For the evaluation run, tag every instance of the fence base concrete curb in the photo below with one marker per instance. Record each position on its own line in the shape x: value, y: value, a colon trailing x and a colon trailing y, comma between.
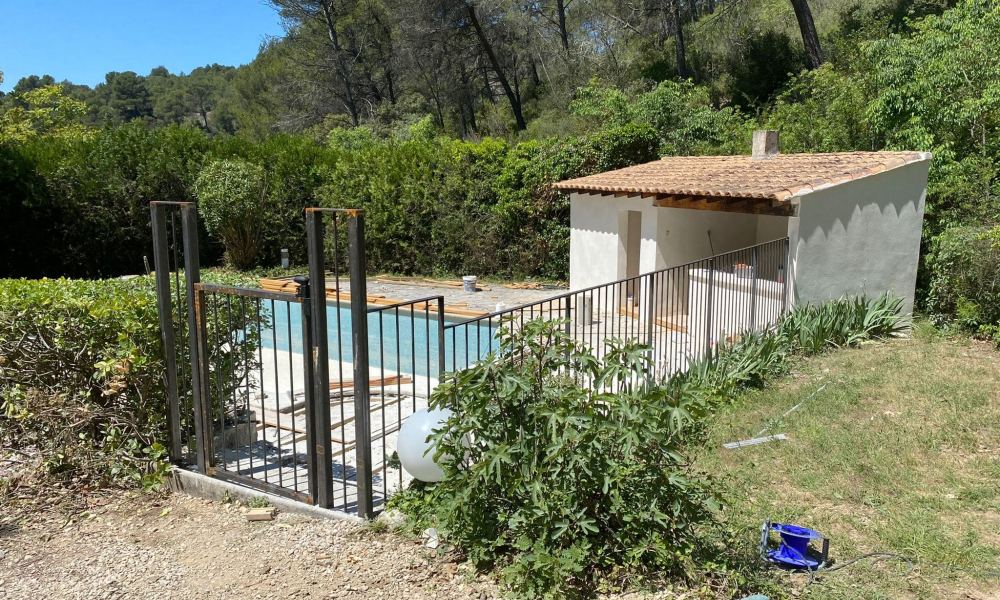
x: 195, y: 484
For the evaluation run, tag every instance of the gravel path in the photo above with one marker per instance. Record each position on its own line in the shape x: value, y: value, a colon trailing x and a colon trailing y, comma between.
x: 116, y: 547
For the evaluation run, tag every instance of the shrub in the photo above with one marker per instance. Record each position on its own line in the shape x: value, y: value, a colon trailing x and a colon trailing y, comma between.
x: 81, y: 376
x: 812, y: 328
x: 965, y: 279
x: 764, y: 66
x: 756, y: 357
x: 567, y: 482
x: 80, y: 206
x: 232, y: 196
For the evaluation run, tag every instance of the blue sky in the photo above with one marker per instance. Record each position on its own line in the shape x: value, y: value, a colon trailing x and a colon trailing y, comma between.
x: 82, y: 40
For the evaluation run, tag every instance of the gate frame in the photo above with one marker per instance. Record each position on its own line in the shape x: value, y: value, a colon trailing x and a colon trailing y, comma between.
x: 323, y: 447
x: 164, y: 302
x: 312, y: 296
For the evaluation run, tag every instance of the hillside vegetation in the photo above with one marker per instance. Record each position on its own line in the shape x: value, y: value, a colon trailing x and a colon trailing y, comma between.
x: 449, y: 120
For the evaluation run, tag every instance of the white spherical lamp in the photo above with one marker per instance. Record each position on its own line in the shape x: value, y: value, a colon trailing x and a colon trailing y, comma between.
x: 416, y: 454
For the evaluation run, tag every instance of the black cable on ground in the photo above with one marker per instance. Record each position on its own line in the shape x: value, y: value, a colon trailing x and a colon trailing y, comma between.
x: 870, y: 555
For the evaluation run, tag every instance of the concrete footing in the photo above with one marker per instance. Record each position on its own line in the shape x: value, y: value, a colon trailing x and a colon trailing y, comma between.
x: 208, y: 488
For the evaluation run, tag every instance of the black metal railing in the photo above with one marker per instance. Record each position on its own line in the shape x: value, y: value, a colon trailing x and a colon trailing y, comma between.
x: 406, y: 354
x: 303, y: 394
x: 682, y: 311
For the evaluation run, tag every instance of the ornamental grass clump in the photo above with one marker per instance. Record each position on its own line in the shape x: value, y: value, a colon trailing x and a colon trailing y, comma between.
x: 565, y: 471
x: 813, y: 328
x: 756, y: 357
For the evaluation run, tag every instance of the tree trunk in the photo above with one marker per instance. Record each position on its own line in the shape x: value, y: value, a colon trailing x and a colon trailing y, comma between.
x: 809, y: 37
x: 472, y: 117
x: 515, y: 102
x: 563, y: 34
x: 331, y: 31
x: 682, y: 70
x: 389, y: 84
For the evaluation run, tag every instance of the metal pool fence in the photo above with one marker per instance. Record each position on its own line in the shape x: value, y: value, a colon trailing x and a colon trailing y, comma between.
x: 681, y: 312
x: 303, y: 394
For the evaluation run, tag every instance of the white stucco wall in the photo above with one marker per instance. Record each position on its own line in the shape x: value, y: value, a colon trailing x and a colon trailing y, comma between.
x: 860, y: 236
x: 597, y: 251
x: 683, y: 233
x: 670, y: 236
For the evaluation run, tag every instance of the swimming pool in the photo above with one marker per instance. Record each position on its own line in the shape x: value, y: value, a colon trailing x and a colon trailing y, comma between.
x: 399, y: 340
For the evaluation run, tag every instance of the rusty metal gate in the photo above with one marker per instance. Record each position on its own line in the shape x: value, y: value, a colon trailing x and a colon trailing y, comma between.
x: 254, y: 393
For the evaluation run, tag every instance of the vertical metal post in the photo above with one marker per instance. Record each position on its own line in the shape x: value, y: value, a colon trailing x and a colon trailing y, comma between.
x: 322, y: 444
x: 309, y: 389
x: 788, y: 277
x: 753, y: 290
x: 567, y: 328
x: 651, y: 299
x: 708, y: 314
x: 196, y: 346
x: 359, y: 328
x: 164, y: 306
x: 441, y: 353
x: 201, y: 373
x: 568, y: 314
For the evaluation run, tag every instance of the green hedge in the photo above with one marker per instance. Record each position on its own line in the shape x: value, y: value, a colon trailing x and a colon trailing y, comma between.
x: 80, y: 207
x: 965, y: 281
x: 81, y: 376
x: 82, y: 373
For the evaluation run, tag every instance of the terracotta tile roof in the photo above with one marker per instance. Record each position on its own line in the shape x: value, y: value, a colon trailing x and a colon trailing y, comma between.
x: 776, y: 178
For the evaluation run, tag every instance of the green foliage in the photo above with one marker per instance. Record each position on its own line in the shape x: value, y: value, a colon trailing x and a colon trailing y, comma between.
x: 822, y: 111
x: 232, y: 195
x: 443, y: 205
x: 350, y: 138
x: 756, y: 357
x: 847, y: 322
x: 768, y: 61
x: 79, y: 206
x: 567, y: 482
x: 81, y: 376
x: 965, y: 286
x: 258, y: 502
x: 47, y: 111
x: 681, y: 114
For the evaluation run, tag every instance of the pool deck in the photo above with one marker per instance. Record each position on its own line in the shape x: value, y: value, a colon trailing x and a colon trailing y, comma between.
x: 458, y: 302
x: 276, y: 453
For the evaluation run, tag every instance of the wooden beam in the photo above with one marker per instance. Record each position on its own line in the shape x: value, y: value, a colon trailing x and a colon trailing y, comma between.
x: 752, y: 206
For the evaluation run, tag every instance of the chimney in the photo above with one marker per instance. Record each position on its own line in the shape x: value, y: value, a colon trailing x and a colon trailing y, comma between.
x: 765, y: 144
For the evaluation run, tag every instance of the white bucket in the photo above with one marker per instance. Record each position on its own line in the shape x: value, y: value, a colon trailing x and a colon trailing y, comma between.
x: 469, y: 283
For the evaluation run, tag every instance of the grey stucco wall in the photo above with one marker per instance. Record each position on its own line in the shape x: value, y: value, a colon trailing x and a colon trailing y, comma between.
x: 860, y: 236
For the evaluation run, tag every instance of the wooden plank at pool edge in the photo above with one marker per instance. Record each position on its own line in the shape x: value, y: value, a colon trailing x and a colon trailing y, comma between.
x: 285, y: 284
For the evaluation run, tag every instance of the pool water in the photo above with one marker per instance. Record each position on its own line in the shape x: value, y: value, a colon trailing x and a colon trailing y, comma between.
x: 398, y: 340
